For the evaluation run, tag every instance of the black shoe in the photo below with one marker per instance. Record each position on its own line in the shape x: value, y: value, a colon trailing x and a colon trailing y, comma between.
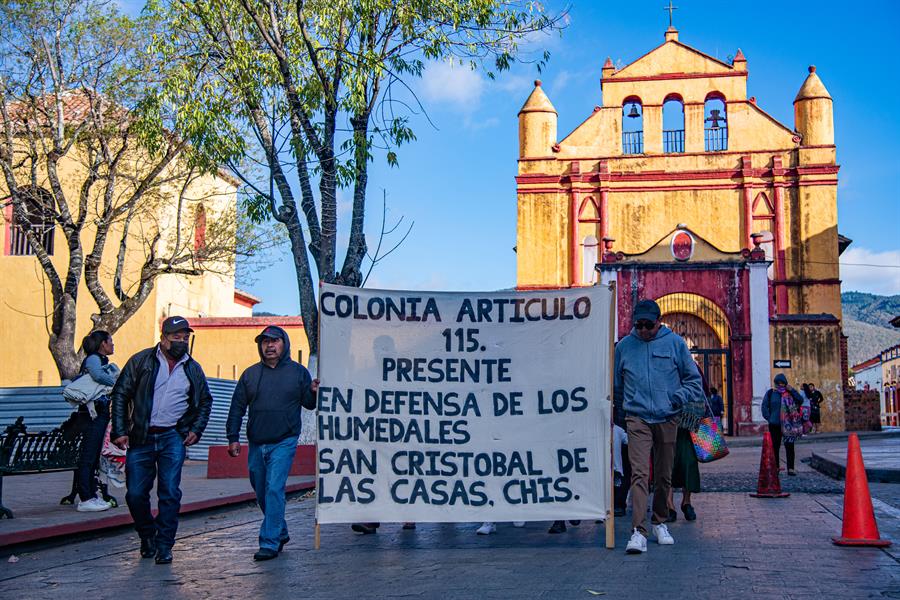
x: 557, y: 527
x: 575, y: 523
x: 148, y: 547
x: 673, y: 516
x: 163, y: 556
x: 265, y: 554
x: 364, y: 528
x: 619, y: 512
x: 283, y: 543
x: 689, y: 512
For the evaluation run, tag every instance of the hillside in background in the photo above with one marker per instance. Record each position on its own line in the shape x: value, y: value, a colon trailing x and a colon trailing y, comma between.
x: 866, y: 324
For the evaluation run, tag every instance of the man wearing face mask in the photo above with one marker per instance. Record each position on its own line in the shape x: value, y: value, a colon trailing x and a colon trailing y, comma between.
x: 160, y: 405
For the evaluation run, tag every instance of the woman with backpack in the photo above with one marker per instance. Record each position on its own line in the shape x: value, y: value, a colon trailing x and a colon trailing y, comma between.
x: 782, y: 407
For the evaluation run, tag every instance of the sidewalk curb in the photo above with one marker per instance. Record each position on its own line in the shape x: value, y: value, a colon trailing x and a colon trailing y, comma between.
x: 119, y: 520
x: 746, y: 442
x: 836, y: 470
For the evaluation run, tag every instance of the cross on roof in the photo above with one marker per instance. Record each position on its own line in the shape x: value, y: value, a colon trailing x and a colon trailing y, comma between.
x: 670, y: 9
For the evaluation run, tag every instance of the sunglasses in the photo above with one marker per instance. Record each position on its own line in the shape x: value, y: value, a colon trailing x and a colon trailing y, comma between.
x: 644, y: 324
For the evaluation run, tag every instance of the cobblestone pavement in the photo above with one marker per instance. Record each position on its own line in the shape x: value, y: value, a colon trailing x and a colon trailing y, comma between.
x: 739, y: 548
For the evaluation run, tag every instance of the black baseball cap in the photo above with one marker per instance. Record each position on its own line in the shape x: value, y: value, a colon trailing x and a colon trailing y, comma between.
x: 173, y: 324
x: 646, y: 310
x: 270, y: 332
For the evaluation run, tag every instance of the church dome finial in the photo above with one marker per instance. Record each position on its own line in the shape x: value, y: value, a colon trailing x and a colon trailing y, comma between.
x: 812, y: 88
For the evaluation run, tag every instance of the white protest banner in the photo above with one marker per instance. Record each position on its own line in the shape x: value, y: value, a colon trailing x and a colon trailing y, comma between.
x: 455, y: 407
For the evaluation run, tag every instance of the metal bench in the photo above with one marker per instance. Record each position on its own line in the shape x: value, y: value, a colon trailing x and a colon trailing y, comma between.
x: 24, y: 453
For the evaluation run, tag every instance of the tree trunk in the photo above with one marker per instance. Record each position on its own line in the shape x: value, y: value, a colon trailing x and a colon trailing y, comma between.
x: 62, y: 338
x: 309, y: 309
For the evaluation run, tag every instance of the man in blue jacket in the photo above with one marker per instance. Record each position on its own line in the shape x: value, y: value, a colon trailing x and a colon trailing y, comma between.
x: 654, y: 377
x: 274, y: 388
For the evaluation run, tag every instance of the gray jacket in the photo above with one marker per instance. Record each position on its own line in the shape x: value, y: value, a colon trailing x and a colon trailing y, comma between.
x: 654, y: 379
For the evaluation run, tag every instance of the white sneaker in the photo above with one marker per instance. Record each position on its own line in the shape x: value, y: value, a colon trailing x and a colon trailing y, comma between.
x: 93, y: 505
x: 518, y: 523
x: 637, y: 544
x: 486, y: 529
x: 663, y: 537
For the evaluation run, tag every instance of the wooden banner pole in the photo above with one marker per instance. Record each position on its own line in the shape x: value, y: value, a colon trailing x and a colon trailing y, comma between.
x: 610, y: 514
x: 316, y: 536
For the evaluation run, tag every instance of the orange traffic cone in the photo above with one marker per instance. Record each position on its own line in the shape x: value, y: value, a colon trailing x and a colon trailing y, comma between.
x: 859, y: 528
x: 769, y: 486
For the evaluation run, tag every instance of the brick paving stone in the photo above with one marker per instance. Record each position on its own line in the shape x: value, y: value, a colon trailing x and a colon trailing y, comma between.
x: 740, y: 547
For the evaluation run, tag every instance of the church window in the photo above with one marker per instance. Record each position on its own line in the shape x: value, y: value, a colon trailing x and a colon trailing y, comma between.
x: 38, y: 218
x: 200, y: 231
x: 589, y: 259
x: 632, y: 126
x: 715, y: 123
x: 673, y: 124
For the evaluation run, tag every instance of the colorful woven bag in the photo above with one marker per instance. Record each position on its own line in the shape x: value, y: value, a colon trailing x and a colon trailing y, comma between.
x: 709, y: 443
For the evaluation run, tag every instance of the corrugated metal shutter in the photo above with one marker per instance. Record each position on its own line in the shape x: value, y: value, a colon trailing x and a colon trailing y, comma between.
x: 222, y: 390
x: 44, y: 409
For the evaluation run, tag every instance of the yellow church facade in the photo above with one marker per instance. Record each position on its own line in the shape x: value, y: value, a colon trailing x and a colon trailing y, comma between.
x: 682, y: 189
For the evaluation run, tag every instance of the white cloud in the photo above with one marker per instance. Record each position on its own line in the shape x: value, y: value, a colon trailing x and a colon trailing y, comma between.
x: 859, y: 274
x: 453, y: 84
x: 560, y: 81
x: 520, y: 84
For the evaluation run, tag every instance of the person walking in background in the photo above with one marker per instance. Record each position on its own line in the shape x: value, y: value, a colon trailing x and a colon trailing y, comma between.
x: 274, y: 389
x: 686, y: 468
x: 781, y: 408
x: 97, y: 346
x: 621, y: 470
x: 160, y: 405
x: 815, y: 407
x: 654, y: 376
x: 716, y: 404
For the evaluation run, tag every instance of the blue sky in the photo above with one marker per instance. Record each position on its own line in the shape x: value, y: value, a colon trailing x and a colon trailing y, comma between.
x: 456, y: 182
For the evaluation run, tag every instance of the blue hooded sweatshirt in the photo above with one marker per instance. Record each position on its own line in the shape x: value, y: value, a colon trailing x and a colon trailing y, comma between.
x: 654, y: 379
x: 274, y: 396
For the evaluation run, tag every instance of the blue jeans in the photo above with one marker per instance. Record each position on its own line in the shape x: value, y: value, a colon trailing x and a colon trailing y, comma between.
x: 269, y: 466
x: 91, y: 445
x: 162, y: 452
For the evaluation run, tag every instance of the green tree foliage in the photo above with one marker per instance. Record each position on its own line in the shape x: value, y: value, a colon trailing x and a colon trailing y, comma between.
x: 296, y: 97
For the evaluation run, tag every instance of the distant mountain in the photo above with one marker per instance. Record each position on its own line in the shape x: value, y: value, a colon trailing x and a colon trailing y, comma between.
x: 870, y: 308
x: 867, y: 324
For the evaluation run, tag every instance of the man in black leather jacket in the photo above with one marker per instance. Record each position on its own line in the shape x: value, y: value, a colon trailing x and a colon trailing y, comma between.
x: 160, y: 405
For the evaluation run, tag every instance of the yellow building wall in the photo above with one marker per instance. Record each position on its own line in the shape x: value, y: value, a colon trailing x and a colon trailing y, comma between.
x: 815, y: 354
x: 26, y: 302
x: 890, y: 367
x: 227, y: 350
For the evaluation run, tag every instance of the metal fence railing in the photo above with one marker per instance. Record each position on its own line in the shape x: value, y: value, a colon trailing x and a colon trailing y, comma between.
x: 673, y: 140
x: 633, y: 142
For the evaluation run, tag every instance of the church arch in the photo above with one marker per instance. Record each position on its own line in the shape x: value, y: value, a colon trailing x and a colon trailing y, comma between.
x: 715, y: 122
x: 700, y: 307
x: 589, y: 211
x: 673, y: 124
x: 632, y: 125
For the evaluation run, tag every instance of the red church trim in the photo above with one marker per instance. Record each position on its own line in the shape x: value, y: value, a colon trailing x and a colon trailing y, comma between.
x: 244, y: 322
x: 671, y: 77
